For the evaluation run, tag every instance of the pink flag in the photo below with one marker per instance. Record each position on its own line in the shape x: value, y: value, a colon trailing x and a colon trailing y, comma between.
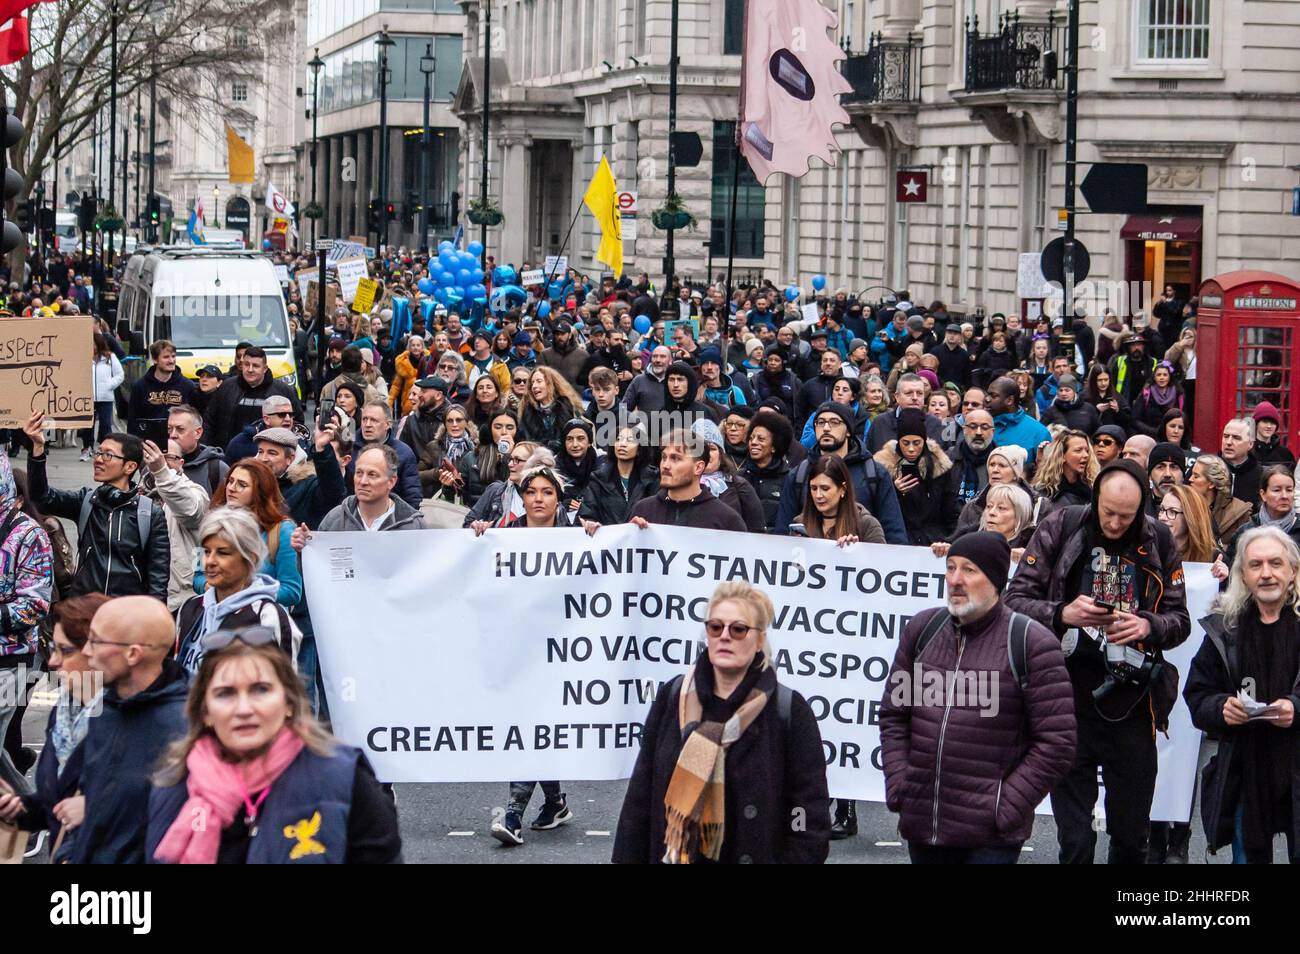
x: 789, y: 86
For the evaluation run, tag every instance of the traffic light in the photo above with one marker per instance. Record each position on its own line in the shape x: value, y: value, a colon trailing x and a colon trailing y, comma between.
x: 372, y: 216
x: 155, y: 209
x: 45, y: 219
x: 86, y: 213
x: 389, y: 211
x: 11, y: 237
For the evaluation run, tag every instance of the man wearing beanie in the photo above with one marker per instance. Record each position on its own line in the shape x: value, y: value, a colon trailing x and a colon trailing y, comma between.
x: 1106, y: 574
x: 1070, y: 409
x: 1107, y: 442
x: 833, y: 426
x: 1000, y: 758
x: 1269, y: 446
x: 1167, y: 467
x: 718, y: 388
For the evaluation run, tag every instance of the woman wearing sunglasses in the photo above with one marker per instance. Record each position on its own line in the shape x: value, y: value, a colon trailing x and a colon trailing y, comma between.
x: 276, y: 787
x: 237, y: 594
x: 728, y: 756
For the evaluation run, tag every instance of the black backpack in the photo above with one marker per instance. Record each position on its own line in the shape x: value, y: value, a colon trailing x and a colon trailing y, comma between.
x: 1017, y: 640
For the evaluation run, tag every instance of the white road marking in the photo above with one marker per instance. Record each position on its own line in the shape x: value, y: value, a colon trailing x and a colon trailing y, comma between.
x: 602, y: 834
x: 460, y: 834
x: 889, y: 844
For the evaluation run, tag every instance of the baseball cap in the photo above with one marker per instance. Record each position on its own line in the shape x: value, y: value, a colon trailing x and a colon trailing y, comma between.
x: 210, y: 370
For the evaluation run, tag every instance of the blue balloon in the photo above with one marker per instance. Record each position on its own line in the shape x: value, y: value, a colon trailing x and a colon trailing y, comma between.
x: 792, y: 293
x: 447, y: 258
x: 463, y: 277
x: 476, y: 290
x: 476, y: 249
x: 819, y: 282
x: 504, y: 275
x: 445, y: 246
x: 453, y: 296
x: 441, y: 295
x: 543, y: 309
x: 426, y: 286
x: 266, y: 244
x: 477, y: 274
x: 556, y: 290
x: 642, y: 324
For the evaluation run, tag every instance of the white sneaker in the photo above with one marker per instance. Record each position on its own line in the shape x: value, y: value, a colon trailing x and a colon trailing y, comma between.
x: 85, y: 456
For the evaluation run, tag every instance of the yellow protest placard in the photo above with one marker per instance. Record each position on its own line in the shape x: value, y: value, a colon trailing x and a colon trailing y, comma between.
x: 365, y: 297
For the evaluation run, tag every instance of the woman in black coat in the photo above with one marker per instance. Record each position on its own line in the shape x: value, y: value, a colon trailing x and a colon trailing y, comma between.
x: 773, y: 773
x: 621, y: 480
x: 770, y: 437
x: 928, y: 496
x: 1113, y: 407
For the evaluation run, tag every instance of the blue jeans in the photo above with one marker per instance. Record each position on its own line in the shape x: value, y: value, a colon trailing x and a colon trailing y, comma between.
x: 986, y: 855
x: 103, y: 419
x: 309, y: 669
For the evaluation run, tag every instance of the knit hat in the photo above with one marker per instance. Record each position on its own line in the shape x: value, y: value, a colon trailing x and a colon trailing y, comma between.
x: 1164, y: 453
x: 523, y: 338
x: 857, y: 343
x: 843, y: 410
x: 742, y: 410
x: 1112, y: 431
x: 754, y: 344
x: 1014, y: 455
x: 576, y: 423
x: 355, y: 390
x: 775, y: 349
x: 708, y: 432
x: 911, y: 422
x: 987, y: 550
x: 931, y: 377
x: 1068, y: 381
x: 711, y: 355
x: 1264, y: 411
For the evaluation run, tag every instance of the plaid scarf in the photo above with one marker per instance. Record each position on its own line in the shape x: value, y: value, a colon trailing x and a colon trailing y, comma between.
x: 695, y: 803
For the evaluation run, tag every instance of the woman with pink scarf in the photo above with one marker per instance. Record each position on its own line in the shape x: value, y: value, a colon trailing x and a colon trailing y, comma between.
x: 268, y: 782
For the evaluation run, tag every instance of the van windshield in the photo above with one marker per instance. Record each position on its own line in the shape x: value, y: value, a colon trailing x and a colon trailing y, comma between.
x: 210, y: 321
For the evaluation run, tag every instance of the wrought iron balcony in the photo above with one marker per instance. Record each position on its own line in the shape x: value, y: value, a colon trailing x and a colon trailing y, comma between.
x: 1027, y: 56
x: 889, y: 72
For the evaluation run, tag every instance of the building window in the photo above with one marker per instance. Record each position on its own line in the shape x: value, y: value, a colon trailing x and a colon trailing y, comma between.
x: 1038, y: 210
x: 751, y: 199
x: 1173, y: 31
x: 241, y: 39
x: 733, y: 27
x: 239, y: 91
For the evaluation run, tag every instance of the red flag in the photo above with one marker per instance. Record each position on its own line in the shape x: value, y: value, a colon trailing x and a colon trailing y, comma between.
x: 11, y: 8
x: 14, y: 42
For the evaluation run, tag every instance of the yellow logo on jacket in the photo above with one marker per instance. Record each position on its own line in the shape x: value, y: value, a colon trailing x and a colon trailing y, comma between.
x: 303, y: 833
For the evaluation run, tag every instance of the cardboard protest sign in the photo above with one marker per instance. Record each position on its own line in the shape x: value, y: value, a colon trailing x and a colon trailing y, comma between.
x: 45, y: 365
x: 331, y: 295
x: 364, y: 299
x: 351, y: 271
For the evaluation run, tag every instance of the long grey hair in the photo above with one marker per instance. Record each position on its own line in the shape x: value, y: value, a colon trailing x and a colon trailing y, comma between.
x: 1235, y: 600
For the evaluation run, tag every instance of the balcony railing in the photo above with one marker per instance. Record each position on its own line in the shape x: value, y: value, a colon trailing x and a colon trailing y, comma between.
x: 1017, y: 56
x: 889, y: 72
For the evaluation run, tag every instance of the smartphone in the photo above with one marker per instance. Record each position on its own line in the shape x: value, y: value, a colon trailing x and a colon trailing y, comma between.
x: 908, y: 469
x: 798, y: 530
x: 326, y: 412
x: 1102, y: 604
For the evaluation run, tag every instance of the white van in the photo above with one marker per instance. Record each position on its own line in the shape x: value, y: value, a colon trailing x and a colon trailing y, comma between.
x: 66, y: 235
x: 206, y: 301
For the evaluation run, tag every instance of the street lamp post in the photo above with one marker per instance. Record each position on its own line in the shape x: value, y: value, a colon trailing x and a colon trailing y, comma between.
x: 428, y: 63
x: 112, y: 118
x: 383, y: 42
x: 153, y: 147
x: 487, y: 116
x: 315, y: 64
x: 216, y: 197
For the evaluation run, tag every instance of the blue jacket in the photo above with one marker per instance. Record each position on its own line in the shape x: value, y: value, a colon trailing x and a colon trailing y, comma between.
x: 284, y: 571
x: 872, y: 487
x: 306, y: 818
x: 1020, y: 429
x: 121, y: 752
x: 242, y: 444
x: 880, y: 348
x: 839, y: 340
x: 313, y: 487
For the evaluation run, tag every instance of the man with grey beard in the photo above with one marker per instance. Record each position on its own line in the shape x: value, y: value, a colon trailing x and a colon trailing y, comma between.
x: 972, y: 452
x: 982, y: 692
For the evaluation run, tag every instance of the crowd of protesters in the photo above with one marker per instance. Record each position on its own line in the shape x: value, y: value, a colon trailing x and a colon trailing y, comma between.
x: 1059, y: 454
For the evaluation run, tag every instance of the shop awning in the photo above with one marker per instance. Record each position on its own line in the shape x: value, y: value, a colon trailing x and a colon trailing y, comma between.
x: 1153, y: 227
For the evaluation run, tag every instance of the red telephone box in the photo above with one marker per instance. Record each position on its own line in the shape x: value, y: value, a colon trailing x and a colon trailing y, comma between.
x: 1246, y: 325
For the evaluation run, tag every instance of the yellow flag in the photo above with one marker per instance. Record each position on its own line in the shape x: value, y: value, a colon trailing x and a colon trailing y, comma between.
x: 602, y: 200
x: 239, y: 157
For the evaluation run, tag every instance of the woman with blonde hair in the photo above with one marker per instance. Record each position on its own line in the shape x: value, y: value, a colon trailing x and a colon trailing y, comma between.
x: 1067, y: 469
x: 728, y: 755
x: 1184, y: 512
x: 875, y: 397
x: 1210, y: 478
x: 549, y: 402
x: 1008, y: 510
x: 270, y: 781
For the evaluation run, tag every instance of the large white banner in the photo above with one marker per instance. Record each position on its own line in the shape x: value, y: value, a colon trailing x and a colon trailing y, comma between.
x: 536, y: 655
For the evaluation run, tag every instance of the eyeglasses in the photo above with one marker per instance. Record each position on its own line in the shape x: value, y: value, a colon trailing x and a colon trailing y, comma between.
x: 1104, y: 442
x: 979, y: 427
x: 518, y: 460
x: 107, y: 455
x: 248, y: 635
x: 736, y: 628
x: 93, y: 641
x: 277, y: 413
x: 1169, y: 512
x: 973, y: 404
x: 826, y: 422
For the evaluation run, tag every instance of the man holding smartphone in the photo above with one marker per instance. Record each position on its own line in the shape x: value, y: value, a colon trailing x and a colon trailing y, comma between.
x: 1109, y: 578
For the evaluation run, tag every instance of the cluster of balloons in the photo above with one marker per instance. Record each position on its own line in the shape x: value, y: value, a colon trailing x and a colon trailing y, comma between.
x: 792, y: 292
x: 506, y: 293
x: 455, y: 275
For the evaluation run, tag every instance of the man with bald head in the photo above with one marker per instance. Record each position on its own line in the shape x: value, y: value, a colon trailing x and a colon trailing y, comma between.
x: 646, y: 392
x: 130, y: 642
x: 1138, y: 449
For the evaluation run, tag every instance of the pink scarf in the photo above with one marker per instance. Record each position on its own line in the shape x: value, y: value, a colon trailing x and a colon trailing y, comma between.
x: 217, y: 790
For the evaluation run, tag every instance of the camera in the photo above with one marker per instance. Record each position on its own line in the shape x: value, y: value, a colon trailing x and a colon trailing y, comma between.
x: 1126, y: 666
